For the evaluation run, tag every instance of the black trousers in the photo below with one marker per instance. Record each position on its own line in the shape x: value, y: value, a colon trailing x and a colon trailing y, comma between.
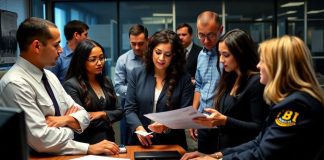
x: 208, y: 140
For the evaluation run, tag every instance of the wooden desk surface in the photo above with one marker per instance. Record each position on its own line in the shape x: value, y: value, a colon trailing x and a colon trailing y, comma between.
x: 129, y: 154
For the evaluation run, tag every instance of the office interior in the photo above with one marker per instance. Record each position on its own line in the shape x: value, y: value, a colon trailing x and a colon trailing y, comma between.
x: 109, y: 20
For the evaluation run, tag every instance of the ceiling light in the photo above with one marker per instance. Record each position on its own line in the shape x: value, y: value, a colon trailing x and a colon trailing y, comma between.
x: 315, y: 11
x: 292, y: 4
x: 292, y: 18
x: 162, y: 14
x: 156, y: 20
x: 286, y: 13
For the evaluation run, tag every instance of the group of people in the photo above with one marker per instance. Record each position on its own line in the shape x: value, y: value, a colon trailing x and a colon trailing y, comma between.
x: 265, y: 105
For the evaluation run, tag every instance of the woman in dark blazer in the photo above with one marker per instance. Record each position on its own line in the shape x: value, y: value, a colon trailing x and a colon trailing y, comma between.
x: 294, y: 128
x: 161, y: 85
x: 239, y: 106
x: 88, y: 85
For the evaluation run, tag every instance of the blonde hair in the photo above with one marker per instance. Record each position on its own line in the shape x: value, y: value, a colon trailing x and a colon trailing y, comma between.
x: 290, y: 68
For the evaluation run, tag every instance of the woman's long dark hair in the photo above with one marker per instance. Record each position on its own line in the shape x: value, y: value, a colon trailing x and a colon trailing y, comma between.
x: 176, y: 68
x: 242, y: 47
x: 77, y: 69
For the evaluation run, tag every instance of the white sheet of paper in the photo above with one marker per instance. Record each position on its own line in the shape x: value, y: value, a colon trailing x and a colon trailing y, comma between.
x: 178, y: 119
x: 93, y: 157
x: 143, y: 133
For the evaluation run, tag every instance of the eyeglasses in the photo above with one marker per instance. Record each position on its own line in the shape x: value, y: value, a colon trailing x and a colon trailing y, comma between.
x: 95, y: 59
x: 209, y: 36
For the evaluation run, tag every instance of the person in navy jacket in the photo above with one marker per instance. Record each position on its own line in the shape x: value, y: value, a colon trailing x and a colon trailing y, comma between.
x: 239, y: 105
x: 294, y: 128
x: 161, y: 85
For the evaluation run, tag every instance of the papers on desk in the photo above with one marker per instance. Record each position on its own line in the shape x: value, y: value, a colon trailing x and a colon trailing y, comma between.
x: 93, y: 157
x: 178, y: 119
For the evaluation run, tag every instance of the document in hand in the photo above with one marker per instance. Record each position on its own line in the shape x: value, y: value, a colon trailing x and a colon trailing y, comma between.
x: 178, y: 119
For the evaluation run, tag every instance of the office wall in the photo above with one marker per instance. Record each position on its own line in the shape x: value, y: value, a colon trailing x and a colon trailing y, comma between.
x: 7, y: 58
x: 18, y: 6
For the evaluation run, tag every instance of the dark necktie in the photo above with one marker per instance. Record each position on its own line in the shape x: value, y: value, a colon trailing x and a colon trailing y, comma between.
x: 51, y: 94
x: 186, y: 53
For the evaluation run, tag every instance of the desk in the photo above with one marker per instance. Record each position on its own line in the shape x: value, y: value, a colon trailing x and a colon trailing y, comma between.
x: 129, y: 154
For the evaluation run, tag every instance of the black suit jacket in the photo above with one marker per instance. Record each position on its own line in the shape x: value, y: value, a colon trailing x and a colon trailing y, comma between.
x: 245, y: 113
x: 191, y: 62
x: 101, y: 128
x: 140, y: 101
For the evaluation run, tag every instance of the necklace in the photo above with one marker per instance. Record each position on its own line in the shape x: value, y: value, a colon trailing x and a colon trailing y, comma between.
x: 97, y: 89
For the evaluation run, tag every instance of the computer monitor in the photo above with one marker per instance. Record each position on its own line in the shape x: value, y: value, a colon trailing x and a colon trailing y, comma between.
x: 13, y: 143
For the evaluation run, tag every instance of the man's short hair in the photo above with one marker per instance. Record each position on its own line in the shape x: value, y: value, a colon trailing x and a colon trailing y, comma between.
x: 31, y: 29
x: 206, y: 16
x: 74, y: 26
x: 182, y: 25
x: 137, y: 29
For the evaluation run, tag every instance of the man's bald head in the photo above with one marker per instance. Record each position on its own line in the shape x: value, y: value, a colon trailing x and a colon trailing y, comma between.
x: 208, y: 17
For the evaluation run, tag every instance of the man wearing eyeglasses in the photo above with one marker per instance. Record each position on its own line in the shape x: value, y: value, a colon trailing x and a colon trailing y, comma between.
x: 138, y: 38
x: 207, y: 76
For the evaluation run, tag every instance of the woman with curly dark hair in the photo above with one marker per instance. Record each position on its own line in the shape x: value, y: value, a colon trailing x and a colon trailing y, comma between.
x: 161, y: 85
x: 89, y: 86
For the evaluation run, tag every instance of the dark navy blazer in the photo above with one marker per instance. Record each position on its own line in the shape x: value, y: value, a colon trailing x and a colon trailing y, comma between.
x: 140, y: 101
x: 294, y: 129
x: 245, y: 113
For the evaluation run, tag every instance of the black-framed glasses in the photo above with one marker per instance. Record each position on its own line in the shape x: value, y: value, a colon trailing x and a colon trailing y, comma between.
x: 209, y: 36
x: 96, y: 59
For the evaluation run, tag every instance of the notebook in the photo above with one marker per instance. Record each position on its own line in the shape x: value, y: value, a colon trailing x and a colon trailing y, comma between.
x: 156, y: 155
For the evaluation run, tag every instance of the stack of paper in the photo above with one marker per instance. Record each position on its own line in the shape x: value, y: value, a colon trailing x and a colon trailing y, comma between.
x: 178, y: 119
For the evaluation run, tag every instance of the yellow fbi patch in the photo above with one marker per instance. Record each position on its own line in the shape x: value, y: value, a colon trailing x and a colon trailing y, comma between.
x: 286, y: 118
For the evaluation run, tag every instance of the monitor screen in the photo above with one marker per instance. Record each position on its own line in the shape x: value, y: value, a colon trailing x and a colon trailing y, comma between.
x: 13, y: 142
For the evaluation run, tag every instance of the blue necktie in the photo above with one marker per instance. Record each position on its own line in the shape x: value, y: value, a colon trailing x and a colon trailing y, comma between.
x: 51, y: 94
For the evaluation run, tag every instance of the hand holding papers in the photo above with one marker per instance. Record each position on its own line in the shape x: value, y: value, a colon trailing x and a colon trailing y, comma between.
x: 157, y: 127
x: 178, y: 119
x: 212, y: 119
x: 143, y: 136
x: 142, y: 133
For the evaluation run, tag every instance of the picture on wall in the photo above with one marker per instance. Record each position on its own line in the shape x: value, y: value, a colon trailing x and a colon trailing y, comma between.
x: 8, y: 42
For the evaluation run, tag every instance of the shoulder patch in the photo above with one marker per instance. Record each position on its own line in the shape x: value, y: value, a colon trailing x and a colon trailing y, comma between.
x: 286, y: 118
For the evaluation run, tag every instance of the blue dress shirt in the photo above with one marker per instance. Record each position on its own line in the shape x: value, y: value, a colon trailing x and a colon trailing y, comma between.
x: 124, y: 66
x: 62, y: 64
x: 207, y: 77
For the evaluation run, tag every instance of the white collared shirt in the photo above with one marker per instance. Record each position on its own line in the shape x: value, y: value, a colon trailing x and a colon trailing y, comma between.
x: 22, y: 87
